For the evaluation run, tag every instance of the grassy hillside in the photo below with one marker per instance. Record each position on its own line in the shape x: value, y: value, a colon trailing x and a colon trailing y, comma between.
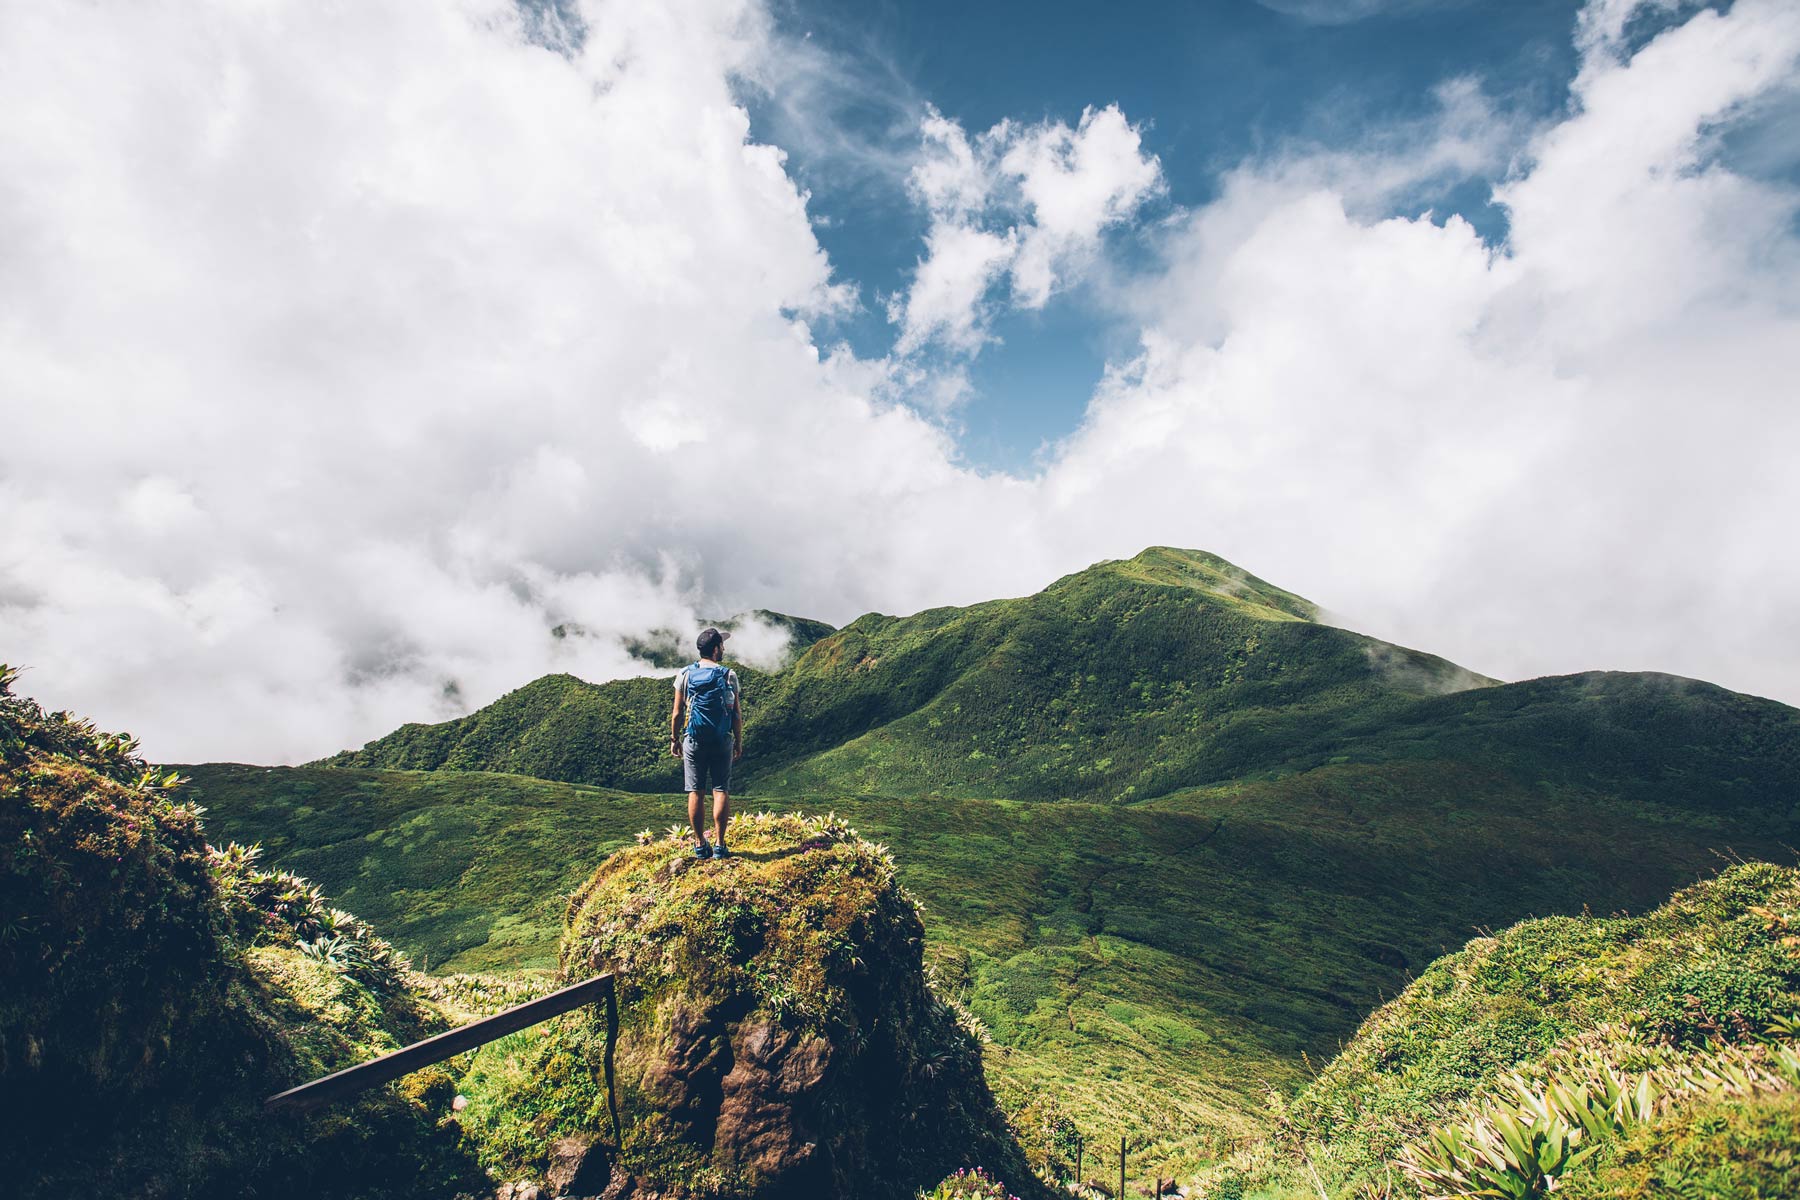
x: 1691, y: 1011
x: 1125, y: 680
x: 1153, y: 965
x: 557, y: 727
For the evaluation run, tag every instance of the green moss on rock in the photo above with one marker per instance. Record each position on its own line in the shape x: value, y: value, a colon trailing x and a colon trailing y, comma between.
x: 778, y: 1034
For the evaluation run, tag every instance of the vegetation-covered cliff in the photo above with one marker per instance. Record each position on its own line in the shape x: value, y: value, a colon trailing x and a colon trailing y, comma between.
x: 156, y: 991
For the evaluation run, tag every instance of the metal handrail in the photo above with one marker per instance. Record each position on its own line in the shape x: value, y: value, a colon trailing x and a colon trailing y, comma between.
x: 377, y: 1071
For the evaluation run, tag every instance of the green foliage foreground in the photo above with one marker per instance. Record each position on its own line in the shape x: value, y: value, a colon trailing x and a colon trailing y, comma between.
x: 1570, y: 1054
x: 156, y: 992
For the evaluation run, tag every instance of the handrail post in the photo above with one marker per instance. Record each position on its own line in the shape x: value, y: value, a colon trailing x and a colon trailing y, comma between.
x: 612, y: 1045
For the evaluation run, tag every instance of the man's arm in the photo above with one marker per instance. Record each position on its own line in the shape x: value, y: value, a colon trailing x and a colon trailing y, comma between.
x: 737, y: 726
x: 675, y: 718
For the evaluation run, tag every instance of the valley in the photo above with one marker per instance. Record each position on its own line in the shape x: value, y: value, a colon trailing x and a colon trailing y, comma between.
x: 1174, y: 839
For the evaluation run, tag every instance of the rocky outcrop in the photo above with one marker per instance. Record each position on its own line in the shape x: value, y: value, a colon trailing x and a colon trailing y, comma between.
x: 580, y: 1165
x: 778, y: 1036
x: 752, y: 1089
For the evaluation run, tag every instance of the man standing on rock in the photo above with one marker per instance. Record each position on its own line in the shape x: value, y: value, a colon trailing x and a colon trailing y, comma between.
x: 712, y: 737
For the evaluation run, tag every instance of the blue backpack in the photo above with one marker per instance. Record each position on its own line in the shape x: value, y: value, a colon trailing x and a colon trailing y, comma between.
x: 708, y: 702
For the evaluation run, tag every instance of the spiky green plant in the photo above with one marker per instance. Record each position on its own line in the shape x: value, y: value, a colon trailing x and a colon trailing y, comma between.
x: 280, y: 903
x: 1518, y: 1148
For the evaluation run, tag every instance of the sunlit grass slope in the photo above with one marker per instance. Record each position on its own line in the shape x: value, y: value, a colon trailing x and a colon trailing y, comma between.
x: 1693, y: 1007
x: 1147, y: 965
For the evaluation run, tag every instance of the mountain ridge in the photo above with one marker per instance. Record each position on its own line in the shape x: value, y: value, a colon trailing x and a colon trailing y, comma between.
x: 1176, y: 614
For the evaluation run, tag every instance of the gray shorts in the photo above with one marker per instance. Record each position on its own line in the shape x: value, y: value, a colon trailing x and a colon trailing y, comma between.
x: 701, y: 760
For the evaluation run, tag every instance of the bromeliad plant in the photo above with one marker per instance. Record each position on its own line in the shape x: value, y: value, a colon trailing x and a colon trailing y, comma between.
x: 270, y: 902
x: 1518, y: 1152
x: 1518, y: 1148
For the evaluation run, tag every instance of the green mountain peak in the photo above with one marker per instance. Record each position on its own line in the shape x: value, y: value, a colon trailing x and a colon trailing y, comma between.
x: 1128, y: 680
x: 1203, y: 572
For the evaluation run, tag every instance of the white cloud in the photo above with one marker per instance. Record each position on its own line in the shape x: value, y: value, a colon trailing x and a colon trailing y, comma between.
x: 948, y: 179
x: 1027, y: 203
x: 944, y: 302
x: 344, y: 352
x: 1568, y: 453
x: 847, y: 112
x: 1601, y: 26
x: 1074, y: 183
x: 1345, y: 12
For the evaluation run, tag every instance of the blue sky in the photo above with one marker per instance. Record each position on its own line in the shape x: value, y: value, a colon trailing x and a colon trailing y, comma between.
x: 1210, y: 85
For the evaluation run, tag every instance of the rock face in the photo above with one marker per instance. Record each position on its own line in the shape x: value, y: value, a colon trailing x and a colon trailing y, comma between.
x: 580, y: 1165
x: 753, y: 1089
x: 778, y: 1036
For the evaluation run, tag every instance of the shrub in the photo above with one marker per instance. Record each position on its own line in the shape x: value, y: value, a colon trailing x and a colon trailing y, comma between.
x: 108, y: 914
x: 1520, y: 1146
x: 157, y: 990
x: 1724, y: 999
x: 968, y: 1184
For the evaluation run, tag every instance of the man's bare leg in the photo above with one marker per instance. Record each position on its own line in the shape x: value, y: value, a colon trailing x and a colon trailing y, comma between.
x: 694, y: 818
x: 721, y: 813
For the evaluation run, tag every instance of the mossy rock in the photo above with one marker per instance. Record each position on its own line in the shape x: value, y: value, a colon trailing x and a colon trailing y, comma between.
x: 778, y: 1035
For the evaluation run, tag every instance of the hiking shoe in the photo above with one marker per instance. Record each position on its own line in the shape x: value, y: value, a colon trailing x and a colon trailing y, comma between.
x: 702, y: 850
x: 719, y: 851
